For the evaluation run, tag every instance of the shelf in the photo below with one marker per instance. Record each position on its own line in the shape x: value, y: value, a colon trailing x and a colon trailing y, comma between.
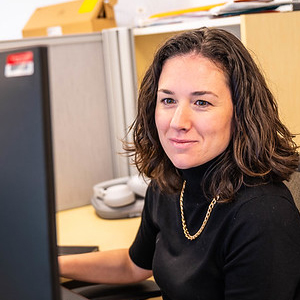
x: 52, y: 40
x: 209, y: 22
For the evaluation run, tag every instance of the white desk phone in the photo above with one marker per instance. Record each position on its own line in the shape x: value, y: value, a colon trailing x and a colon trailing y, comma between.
x: 120, y: 198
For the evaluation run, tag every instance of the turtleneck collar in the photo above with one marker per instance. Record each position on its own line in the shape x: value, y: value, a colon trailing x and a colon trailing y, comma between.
x: 194, y: 177
x: 197, y: 173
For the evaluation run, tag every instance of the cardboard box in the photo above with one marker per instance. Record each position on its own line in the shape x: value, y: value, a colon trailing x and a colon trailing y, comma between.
x: 71, y: 18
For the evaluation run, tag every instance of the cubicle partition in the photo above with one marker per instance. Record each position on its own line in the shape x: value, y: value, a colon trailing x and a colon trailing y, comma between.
x: 88, y: 111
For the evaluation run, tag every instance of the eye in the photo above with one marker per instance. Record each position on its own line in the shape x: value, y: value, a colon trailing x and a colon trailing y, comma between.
x: 168, y: 101
x: 202, y: 103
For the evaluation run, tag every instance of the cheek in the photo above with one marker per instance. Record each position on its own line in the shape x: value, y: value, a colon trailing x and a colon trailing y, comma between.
x: 156, y: 119
x: 216, y: 126
x: 160, y: 121
x: 226, y: 130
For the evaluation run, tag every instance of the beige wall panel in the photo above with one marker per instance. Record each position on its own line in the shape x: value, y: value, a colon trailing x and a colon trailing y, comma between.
x: 275, y: 40
x: 82, y: 152
x: 145, y: 47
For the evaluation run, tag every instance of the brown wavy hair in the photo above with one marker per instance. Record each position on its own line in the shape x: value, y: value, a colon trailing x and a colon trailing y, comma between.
x: 261, y: 149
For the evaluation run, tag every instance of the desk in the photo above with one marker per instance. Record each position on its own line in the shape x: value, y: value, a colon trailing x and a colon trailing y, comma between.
x: 82, y: 227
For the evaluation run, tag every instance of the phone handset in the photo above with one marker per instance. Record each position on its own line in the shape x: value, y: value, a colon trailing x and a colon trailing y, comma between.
x: 121, y: 191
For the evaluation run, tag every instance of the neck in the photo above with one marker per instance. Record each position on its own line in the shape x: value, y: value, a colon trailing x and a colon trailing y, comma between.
x: 195, y: 178
x: 196, y: 173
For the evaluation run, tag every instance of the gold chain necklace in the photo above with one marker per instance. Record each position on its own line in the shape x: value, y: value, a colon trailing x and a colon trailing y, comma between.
x: 184, y: 227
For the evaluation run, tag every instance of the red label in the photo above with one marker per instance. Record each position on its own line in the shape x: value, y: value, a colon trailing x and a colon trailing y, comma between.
x: 19, y: 64
x: 19, y: 58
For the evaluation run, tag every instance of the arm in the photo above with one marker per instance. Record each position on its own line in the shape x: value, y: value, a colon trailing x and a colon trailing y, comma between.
x: 115, y: 267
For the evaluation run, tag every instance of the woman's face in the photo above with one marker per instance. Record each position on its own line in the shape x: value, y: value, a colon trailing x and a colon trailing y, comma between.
x: 194, y: 110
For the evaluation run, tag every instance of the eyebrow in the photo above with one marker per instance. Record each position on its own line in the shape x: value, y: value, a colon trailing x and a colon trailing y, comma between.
x: 196, y: 93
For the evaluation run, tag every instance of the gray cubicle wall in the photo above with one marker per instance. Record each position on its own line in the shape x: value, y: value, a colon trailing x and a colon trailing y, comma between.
x: 83, y: 155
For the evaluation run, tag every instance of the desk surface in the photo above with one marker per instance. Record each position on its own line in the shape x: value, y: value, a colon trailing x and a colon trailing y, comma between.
x: 82, y: 226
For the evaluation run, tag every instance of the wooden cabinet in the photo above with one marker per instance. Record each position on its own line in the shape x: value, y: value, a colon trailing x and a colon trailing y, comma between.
x: 272, y: 38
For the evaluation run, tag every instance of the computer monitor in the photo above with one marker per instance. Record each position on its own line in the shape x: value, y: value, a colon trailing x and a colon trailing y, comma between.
x: 28, y: 249
x: 28, y: 254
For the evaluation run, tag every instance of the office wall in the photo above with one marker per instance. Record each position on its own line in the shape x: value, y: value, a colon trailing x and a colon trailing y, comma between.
x: 15, y: 13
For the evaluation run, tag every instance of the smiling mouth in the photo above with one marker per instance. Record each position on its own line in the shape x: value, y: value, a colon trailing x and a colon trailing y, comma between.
x: 182, y: 143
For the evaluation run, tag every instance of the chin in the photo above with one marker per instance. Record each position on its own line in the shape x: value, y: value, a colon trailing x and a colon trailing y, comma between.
x: 183, y: 165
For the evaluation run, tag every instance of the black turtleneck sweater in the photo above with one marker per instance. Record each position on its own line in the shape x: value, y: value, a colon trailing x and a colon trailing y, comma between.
x: 249, y: 249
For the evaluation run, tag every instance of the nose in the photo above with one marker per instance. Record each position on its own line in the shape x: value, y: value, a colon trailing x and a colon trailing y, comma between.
x: 181, y: 119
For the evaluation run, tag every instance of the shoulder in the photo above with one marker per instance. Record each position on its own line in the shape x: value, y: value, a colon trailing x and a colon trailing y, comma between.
x: 266, y: 195
x: 262, y: 218
x: 266, y: 205
x: 155, y: 194
x: 156, y: 199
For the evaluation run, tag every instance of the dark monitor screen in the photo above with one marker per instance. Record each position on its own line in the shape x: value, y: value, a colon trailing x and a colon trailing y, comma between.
x: 28, y: 250
x: 28, y: 264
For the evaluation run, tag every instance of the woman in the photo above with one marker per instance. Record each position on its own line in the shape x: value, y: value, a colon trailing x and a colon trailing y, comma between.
x: 218, y: 222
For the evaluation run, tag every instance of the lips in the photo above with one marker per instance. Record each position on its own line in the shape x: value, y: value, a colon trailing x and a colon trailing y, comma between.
x: 182, y: 143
